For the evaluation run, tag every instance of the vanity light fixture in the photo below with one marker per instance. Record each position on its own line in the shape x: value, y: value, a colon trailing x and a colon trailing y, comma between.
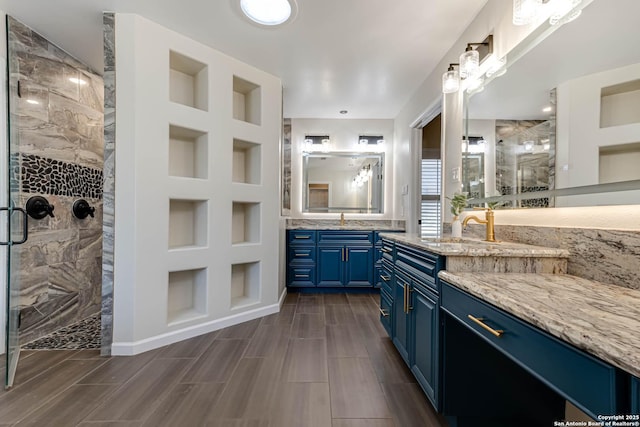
x: 451, y: 80
x: 365, y: 140
x: 313, y: 143
x: 564, y: 11
x: 528, y: 146
x: 268, y: 12
x: 525, y: 11
x: 469, y: 62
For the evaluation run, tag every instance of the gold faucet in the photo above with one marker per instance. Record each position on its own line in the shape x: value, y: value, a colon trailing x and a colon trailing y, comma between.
x: 342, y: 219
x: 488, y: 221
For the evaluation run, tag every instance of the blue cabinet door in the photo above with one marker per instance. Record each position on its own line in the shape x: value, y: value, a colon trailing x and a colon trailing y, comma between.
x: 358, y: 266
x: 330, y: 260
x: 399, y: 317
x: 424, y: 324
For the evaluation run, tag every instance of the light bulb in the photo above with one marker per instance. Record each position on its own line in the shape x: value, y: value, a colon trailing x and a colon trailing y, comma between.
x: 450, y: 81
x: 469, y: 63
x: 525, y: 11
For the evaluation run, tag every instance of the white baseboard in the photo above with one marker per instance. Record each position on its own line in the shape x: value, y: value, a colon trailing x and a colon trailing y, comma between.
x: 283, y: 296
x: 137, y: 347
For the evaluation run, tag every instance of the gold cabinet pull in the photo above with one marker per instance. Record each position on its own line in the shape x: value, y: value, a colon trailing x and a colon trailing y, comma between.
x: 302, y: 276
x: 385, y: 250
x: 301, y: 237
x: 409, y: 306
x: 302, y: 255
x: 342, y: 254
x: 479, y: 320
x: 384, y: 313
x: 346, y: 253
x: 385, y: 278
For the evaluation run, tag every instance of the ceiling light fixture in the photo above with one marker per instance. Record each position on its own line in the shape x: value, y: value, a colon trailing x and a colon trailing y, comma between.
x: 268, y: 12
x: 343, y: 111
x: 525, y: 11
x: 470, y: 59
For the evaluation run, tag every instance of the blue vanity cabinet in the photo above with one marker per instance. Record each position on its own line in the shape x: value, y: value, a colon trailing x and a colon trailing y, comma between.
x: 481, y: 339
x: 301, y: 258
x: 415, y: 315
x: 345, y: 258
x: 386, y: 279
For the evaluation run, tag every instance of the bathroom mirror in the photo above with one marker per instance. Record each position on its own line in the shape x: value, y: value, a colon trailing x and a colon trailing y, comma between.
x: 562, y: 126
x: 343, y: 182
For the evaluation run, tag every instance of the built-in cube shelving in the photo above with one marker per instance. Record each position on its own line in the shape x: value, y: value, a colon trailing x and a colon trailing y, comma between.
x: 187, y: 295
x: 620, y: 104
x: 188, y: 81
x: 246, y: 162
x: 619, y: 163
x: 187, y: 223
x: 245, y: 223
x: 247, y: 101
x: 245, y: 284
x: 188, y: 153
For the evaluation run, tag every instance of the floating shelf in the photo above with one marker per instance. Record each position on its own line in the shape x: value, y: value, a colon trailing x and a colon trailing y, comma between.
x: 187, y: 153
x: 246, y: 101
x: 187, y: 295
x: 245, y: 223
x: 187, y: 223
x: 246, y: 162
x: 188, y: 81
x: 245, y: 284
x: 620, y: 104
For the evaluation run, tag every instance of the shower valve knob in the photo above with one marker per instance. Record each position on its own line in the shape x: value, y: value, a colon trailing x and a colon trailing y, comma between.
x: 82, y: 209
x: 38, y: 207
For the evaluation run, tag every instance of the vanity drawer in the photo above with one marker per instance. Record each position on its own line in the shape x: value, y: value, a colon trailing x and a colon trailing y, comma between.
x: 385, y: 311
x: 415, y: 259
x: 302, y: 237
x: 301, y: 276
x: 386, y: 275
x: 345, y: 237
x: 586, y: 381
x: 302, y: 254
x: 387, y: 250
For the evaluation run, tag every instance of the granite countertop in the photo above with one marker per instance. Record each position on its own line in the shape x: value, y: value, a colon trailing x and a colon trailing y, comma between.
x: 475, y: 247
x: 350, y: 224
x: 600, y: 318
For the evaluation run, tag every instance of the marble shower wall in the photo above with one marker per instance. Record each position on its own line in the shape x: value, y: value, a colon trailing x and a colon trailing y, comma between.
x: 608, y: 256
x: 57, y: 118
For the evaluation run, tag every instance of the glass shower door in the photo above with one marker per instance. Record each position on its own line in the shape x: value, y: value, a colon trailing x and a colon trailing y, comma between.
x: 15, y: 219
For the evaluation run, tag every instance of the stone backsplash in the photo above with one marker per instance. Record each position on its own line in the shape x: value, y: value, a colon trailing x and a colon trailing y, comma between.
x: 608, y: 256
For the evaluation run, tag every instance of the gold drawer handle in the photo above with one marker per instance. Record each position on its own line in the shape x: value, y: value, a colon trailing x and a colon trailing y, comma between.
x: 385, y: 250
x: 385, y: 278
x: 479, y: 320
x: 302, y: 237
x: 302, y: 276
x: 384, y: 313
x: 302, y: 254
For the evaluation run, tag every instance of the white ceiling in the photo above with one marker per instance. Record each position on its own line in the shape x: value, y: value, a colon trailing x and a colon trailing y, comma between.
x: 364, y: 56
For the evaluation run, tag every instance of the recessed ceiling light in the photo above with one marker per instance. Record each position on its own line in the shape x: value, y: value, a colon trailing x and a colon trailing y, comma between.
x: 268, y: 12
x: 343, y: 111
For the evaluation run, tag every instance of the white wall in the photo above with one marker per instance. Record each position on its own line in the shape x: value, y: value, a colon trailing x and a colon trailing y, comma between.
x: 344, y: 135
x: 143, y: 259
x: 494, y: 18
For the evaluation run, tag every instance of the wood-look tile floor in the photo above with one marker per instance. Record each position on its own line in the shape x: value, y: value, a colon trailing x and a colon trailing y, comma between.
x: 324, y: 360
